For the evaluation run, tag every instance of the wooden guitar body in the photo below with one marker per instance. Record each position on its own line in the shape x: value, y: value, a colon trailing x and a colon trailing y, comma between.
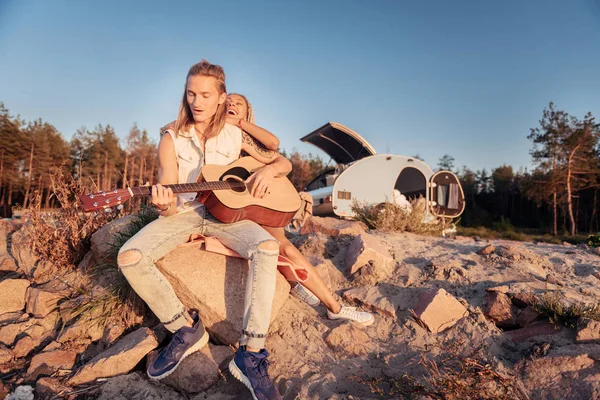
x: 275, y: 209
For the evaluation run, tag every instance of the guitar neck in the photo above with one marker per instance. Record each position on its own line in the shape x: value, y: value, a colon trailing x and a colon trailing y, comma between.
x: 190, y: 187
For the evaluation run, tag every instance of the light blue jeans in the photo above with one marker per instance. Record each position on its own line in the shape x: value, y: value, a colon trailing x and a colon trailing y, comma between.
x: 138, y: 255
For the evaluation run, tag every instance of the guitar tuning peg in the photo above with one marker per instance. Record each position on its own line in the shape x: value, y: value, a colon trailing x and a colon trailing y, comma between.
x: 120, y: 207
x: 107, y: 209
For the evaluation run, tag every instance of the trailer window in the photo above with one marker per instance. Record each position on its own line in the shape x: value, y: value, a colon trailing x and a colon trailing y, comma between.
x: 411, y: 183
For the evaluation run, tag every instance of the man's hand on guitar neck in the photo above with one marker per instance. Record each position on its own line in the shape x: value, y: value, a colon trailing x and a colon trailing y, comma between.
x: 260, y: 181
x: 163, y: 199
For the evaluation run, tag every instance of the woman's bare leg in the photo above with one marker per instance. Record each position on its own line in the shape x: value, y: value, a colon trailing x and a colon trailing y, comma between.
x: 314, y: 283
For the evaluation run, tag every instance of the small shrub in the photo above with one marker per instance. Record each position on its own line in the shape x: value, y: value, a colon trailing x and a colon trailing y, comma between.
x: 562, y: 312
x: 504, y: 225
x: 593, y: 240
x: 391, y: 217
x: 62, y: 237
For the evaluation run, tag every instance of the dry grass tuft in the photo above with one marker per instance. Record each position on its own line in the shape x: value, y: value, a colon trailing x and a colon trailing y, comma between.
x: 393, y: 218
x: 560, y: 311
x: 62, y: 237
x: 452, y: 376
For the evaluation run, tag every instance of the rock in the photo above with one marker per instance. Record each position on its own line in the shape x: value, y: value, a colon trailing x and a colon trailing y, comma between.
x: 136, y: 387
x: 540, y: 328
x: 334, y: 278
x: 439, y: 310
x: 8, y: 333
x: 332, y: 226
x: 118, y: 359
x: 41, y: 331
x: 499, y: 309
x: 383, y: 299
x: 526, y: 260
x: 487, y: 250
x: 528, y: 316
x: 14, y: 317
x: 49, y: 362
x: 4, y: 390
x: 5, y: 356
x: 408, y: 274
x: 112, y: 333
x: 348, y: 339
x: 500, y: 289
x: 48, y: 388
x: 199, y: 371
x: 12, y: 295
x: 553, y: 280
x: 21, y: 251
x: 21, y: 393
x: 7, y: 263
x: 569, y: 373
x: 24, y: 346
x: 52, y: 346
x: 41, y: 303
x: 215, y: 285
x: 365, y: 250
x: 104, y: 237
x: 83, y: 328
x: 588, y: 331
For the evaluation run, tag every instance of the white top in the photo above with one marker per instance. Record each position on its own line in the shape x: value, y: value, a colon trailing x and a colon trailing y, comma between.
x: 222, y: 149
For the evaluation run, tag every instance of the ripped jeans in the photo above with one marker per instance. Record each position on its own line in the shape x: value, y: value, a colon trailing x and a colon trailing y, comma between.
x: 137, y: 257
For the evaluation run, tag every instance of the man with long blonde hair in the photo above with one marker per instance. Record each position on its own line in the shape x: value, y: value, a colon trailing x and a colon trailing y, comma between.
x: 202, y: 136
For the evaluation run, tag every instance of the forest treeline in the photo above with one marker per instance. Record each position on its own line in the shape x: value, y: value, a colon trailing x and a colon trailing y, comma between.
x: 559, y: 195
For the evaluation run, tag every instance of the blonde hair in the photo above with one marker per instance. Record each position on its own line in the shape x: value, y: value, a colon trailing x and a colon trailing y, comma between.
x: 185, y: 118
x: 250, y: 113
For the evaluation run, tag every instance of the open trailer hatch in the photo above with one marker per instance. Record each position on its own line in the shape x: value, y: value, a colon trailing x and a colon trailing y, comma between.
x: 341, y: 143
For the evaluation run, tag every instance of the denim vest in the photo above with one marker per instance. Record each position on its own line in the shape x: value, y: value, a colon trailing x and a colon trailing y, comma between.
x: 222, y: 149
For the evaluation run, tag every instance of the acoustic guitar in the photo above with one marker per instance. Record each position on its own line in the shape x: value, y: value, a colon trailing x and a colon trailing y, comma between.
x: 224, y: 194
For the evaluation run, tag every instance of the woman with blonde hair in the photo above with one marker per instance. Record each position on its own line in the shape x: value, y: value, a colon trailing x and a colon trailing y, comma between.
x: 313, y: 290
x: 201, y: 136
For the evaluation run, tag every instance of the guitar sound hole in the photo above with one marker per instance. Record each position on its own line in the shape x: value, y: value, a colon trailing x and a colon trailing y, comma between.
x: 240, y: 186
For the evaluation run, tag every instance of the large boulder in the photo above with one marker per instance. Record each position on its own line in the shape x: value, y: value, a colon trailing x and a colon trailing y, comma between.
x: 104, y: 238
x: 12, y: 295
x: 332, y: 226
x: 119, y: 359
x: 367, y: 250
x: 215, y: 285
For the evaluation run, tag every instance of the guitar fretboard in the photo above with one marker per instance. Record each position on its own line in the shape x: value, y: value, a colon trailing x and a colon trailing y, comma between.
x: 190, y: 187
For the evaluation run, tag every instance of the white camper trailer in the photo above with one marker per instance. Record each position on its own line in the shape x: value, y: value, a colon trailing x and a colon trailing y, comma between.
x: 363, y: 175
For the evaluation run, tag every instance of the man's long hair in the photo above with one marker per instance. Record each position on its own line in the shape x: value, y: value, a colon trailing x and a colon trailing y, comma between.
x: 185, y: 118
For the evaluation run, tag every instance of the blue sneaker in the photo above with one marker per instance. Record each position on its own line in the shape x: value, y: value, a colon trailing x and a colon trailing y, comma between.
x: 252, y: 370
x: 183, y: 343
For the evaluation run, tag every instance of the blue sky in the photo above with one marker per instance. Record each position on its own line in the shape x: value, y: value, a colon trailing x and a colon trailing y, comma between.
x: 465, y: 78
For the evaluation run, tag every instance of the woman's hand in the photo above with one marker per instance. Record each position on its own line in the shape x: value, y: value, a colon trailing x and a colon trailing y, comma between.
x: 162, y: 197
x: 260, y: 181
x: 233, y: 120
